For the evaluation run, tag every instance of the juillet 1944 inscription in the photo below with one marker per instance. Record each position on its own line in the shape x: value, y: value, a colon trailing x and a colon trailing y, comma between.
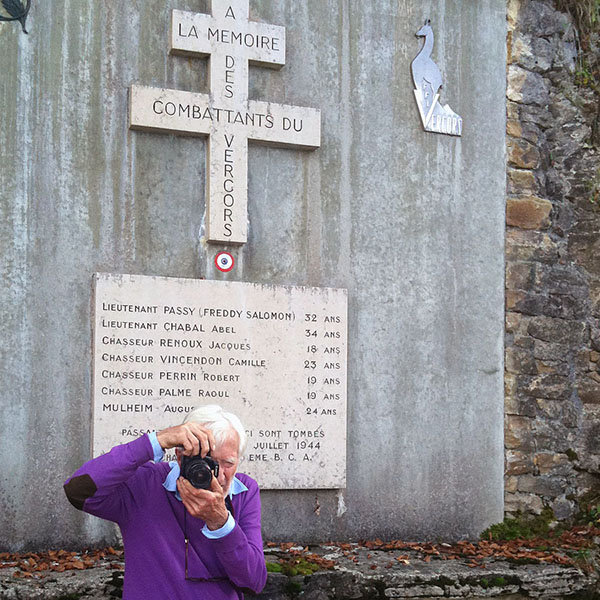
x: 226, y: 115
x: 274, y: 355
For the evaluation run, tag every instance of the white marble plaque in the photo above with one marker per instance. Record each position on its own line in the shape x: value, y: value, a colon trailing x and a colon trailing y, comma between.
x: 274, y: 355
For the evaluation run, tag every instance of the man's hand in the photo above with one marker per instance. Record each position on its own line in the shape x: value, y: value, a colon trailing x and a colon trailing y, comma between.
x: 208, y: 505
x: 191, y: 436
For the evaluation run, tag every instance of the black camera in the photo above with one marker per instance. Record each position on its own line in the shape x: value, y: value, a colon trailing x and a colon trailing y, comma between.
x: 199, y: 471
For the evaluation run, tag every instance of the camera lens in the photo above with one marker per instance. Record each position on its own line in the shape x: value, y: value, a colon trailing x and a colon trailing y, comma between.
x: 197, y: 472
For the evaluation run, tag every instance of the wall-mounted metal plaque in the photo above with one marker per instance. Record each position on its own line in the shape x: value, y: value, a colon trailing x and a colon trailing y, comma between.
x: 428, y: 81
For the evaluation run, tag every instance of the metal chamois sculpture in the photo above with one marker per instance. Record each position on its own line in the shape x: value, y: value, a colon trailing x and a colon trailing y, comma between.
x: 428, y: 81
x: 17, y: 11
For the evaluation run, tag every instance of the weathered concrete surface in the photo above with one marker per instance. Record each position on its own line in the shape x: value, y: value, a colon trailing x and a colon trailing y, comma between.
x: 410, y: 223
x: 378, y: 576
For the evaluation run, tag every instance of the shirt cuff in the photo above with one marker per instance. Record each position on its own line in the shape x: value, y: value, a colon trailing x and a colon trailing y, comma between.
x: 156, y: 447
x: 222, y: 532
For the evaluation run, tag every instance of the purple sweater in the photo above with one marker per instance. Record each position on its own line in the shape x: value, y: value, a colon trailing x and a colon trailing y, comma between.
x: 126, y: 487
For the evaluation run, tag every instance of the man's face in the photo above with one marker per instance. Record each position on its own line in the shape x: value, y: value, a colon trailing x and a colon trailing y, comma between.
x: 227, y: 455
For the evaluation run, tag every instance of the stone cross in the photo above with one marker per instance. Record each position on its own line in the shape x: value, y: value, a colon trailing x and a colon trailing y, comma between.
x: 226, y: 115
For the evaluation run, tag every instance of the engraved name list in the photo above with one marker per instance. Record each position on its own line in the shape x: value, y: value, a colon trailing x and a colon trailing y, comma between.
x: 274, y: 355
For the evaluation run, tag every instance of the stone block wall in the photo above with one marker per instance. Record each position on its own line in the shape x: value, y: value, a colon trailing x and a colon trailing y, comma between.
x: 552, y: 361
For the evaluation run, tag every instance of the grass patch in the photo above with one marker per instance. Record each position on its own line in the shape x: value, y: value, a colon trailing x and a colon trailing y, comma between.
x: 293, y: 567
x: 293, y: 588
x: 486, y: 583
x: 273, y: 567
x: 521, y: 526
x: 299, y: 566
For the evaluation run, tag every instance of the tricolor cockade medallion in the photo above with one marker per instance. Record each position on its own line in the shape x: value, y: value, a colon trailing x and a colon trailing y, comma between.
x: 428, y: 81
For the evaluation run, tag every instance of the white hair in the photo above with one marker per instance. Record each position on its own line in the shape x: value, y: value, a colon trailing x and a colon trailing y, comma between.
x: 219, y: 422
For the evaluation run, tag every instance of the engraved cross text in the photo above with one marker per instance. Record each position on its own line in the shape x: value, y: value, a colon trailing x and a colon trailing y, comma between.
x: 226, y: 115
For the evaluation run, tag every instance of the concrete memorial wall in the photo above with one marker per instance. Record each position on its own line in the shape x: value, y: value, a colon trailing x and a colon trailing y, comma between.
x: 160, y: 185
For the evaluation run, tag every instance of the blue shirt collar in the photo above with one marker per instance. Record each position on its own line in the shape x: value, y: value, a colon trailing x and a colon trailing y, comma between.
x: 170, y: 483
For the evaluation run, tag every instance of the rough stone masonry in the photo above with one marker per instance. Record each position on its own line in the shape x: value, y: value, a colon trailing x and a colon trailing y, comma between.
x: 552, y: 369
x: 358, y: 573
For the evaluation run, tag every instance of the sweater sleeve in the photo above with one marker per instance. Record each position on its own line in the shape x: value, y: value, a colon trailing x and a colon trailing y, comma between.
x: 100, y: 487
x: 241, y: 551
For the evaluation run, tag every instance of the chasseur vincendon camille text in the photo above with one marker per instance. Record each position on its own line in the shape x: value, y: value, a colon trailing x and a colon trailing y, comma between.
x: 193, y: 341
x: 226, y: 114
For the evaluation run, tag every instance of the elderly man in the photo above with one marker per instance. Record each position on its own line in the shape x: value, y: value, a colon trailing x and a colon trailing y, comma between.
x: 180, y: 542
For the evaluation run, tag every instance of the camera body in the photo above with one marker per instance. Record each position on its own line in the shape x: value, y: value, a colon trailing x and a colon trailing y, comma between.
x: 199, y: 471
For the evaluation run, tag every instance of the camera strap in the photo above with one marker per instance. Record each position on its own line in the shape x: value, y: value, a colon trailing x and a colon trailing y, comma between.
x: 229, y: 505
